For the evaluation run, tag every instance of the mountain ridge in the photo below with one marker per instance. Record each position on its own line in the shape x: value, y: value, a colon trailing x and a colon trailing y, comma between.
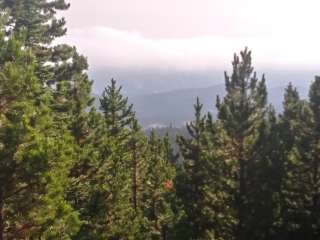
x: 175, y: 107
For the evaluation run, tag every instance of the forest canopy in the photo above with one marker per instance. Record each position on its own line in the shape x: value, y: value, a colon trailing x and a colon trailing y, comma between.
x: 71, y: 171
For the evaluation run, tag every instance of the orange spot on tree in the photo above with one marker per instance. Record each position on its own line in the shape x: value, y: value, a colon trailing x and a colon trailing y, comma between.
x: 168, y: 185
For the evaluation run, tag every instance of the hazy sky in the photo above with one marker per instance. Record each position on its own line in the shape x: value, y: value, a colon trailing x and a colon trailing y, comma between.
x: 194, y: 35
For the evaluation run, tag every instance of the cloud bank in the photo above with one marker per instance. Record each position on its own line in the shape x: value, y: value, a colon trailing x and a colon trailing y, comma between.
x: 109, y: 47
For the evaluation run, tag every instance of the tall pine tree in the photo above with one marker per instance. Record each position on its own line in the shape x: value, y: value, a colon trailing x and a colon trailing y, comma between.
x: 35, y: 161
x: 241, y: 113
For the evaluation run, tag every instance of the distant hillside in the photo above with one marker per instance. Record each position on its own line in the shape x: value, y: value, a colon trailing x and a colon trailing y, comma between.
x: 176, y: 107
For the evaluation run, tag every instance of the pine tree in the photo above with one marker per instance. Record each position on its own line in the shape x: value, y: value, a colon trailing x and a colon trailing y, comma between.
x: 268, y: 173
x: 241, y: 113
x: 87, y: 183
x: 35, y: 161
x: 159, y: 195
x: 138, y: 166
x: 59, y: 66
x: 314, y: 172
x: 136, y: 146
x: 295, y: 125
x: 109, y: 209
x: 72, y: 106
x: 64, y: 70
x: 205, y: 184
x: 117, y: 112
x: 37, y: 19
x: 191, y: 179
x: 300, y: 205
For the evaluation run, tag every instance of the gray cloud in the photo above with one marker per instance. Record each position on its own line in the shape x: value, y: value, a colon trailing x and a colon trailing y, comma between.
x: 145, y: 38
x: 190, y: 18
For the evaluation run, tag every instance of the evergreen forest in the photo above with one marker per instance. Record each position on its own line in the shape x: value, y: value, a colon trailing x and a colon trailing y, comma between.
x: 69, y: 170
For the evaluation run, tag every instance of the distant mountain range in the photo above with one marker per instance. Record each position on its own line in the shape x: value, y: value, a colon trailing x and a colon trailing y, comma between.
x: 174, y: 108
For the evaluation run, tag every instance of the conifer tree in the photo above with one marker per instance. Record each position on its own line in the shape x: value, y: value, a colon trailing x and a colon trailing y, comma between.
x: 204, y: 183
x: 59, y: 66
x: 294, y: 130
x: 191, y: 178
x: 137, y: 144
x: 87, y: 182
x: 138, y: 167
x: 37, y: 18
x: 35, y: 162
x: 300, y: 206
x: 159, y: 195
x: 64, y: 70
x: 241, y: 113
x: 109, y: 210
x: 314, y: 164
x: 72, y: 106
x: 268, y: 175
x: 37, y: 22
x: 117, y: 112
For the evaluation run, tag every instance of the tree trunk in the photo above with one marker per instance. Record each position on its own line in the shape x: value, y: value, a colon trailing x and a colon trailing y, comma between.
x: 134, y: 185
x: 316, y: 195
x: 241, y: 201
x: 1, y: 219
x: 164, y: 233
x: 242, y: 193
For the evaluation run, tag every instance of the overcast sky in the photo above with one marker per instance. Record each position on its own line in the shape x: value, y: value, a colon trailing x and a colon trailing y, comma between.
x: 138, y: 40
x: 194, y: 34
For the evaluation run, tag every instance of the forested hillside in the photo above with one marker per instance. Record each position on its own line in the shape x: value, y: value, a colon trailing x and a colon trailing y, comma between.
x: 173, y: 107
x: 71, y: 171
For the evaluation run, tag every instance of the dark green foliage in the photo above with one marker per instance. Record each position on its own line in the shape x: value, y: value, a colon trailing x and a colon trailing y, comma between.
x: 300, y: 209
x: 105, y: 178
x: 36, y: 22
x: 204, y: 181
x: 191, y: 178
x: 313, y: 185
x: 35, y: 161
x: 36, y: 19
x: 118, y: 114
x: 159, y: 194
x: 242, y: 114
